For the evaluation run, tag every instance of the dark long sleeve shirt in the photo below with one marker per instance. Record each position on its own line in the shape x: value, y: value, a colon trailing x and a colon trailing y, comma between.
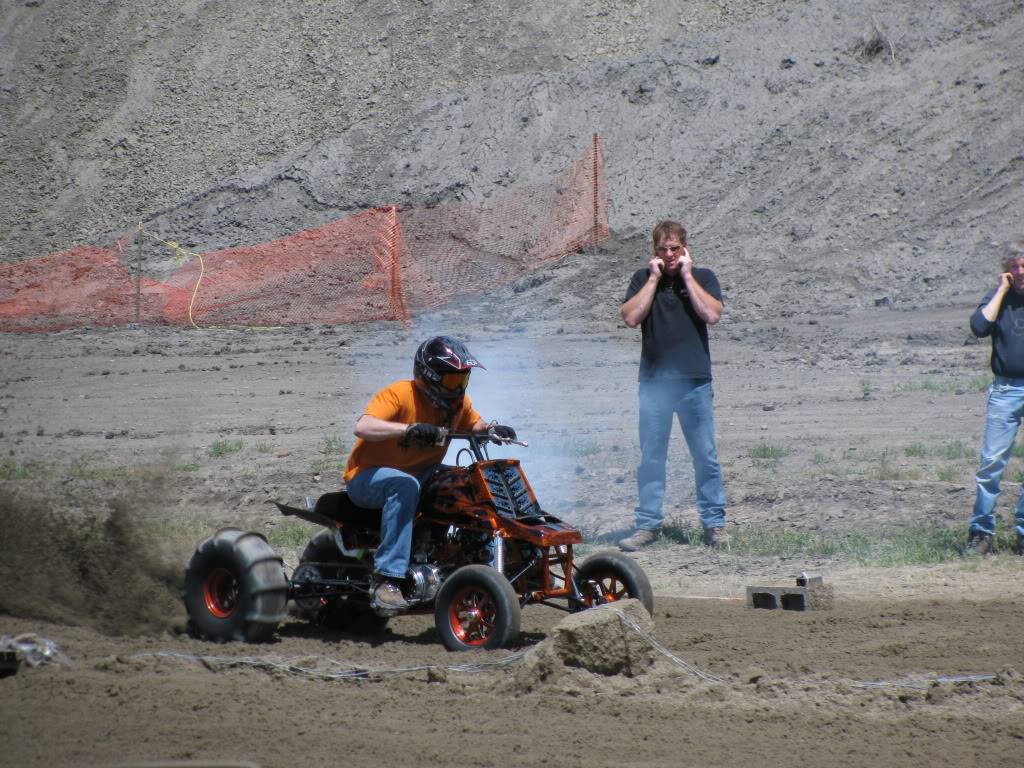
x: 1007, y: 333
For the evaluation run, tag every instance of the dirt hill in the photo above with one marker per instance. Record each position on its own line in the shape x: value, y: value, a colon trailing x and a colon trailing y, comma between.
x: 840, y: 155
x: 846, y: 168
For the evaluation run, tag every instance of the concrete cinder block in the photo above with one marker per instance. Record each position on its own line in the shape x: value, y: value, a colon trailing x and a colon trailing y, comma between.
x: 786, y: 598
x: 809, y: 593
x: 809, y: 581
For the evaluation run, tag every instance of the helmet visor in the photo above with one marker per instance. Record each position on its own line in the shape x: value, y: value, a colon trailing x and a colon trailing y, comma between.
x: 455, y: 382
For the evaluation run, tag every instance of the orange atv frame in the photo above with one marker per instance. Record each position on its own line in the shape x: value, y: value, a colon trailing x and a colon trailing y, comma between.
x: 482, y: 549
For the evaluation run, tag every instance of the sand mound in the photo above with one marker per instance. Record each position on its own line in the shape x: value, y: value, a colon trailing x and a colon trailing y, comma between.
x: 598, y: 641
x: 101, y: 572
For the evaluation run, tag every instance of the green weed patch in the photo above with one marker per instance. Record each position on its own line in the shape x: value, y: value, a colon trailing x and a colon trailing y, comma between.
x: 768, y: 451
x: 225, y: 448
x: 921, y: 545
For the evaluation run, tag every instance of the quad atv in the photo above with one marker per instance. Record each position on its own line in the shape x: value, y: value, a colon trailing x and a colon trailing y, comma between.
x: 482, y: 548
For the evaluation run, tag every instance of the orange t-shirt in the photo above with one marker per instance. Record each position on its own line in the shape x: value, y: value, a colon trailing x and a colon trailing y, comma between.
x: 401, y: 401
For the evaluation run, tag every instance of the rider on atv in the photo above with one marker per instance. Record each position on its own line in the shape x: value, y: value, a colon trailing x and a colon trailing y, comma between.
x: 400, y: 442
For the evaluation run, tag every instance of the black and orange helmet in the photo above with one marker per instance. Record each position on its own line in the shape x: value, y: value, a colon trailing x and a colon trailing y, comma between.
x: 441, y: 370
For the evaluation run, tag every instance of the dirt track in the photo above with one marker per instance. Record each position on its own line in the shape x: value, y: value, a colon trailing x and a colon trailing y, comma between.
x: 790, y: 695
x: 840, y: 397
x: 850, y: 196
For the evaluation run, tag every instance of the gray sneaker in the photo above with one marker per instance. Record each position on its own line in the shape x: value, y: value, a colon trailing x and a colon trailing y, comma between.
x: 979, y: 543
x: 640, y: 539
x: 716, y: 538
x: 386, y: 594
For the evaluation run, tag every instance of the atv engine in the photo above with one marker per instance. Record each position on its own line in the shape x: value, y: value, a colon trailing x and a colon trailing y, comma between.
x: 451, y: 545
x: 424, y: 580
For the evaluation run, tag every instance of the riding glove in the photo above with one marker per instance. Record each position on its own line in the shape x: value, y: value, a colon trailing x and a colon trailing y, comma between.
x: 422, y: 435
x: 503, y: 432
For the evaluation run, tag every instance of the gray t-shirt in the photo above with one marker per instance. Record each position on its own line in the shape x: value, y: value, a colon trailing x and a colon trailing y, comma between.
x: 1007, y: 333
x: 675, y: 338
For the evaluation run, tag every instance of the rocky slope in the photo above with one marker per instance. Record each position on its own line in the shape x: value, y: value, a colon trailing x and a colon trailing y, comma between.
x: 821, y: 154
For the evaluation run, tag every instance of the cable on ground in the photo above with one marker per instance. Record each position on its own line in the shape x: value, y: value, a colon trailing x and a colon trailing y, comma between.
x: 924, y: 682
x: 692, y: 670
x: 332, y: 669
x: 340, y: 670
x: 33, y: 649
x: 37, y: 651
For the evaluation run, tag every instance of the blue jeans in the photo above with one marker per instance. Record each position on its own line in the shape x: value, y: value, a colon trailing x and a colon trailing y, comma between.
x: 396, y: 494
x: 1002, y: 420
x: 692, y: 402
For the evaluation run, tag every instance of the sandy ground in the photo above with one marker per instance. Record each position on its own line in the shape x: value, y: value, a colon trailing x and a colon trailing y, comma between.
x: 791, y: 690
x: 110, y: 477
x: 848, y: 170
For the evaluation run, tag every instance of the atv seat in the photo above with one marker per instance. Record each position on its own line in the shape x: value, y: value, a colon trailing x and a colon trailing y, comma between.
x: 340, y: 508
x: 333, y: 508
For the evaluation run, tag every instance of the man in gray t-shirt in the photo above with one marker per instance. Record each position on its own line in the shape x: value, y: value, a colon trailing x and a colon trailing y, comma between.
x: 673, y: 302
x: 1001, y: 316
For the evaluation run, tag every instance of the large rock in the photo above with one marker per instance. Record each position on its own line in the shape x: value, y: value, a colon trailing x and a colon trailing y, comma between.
x: 598, y: 640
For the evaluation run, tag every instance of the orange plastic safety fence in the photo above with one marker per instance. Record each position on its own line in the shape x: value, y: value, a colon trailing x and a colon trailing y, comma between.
x: 380, y: 264
x: 469, y: 247
x: 337, y: 273
x: 70, y: 289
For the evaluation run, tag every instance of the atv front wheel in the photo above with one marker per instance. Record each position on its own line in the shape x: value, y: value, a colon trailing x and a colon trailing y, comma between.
x: 610, y: 576
x: 476, y: 607
x: 235, y: 587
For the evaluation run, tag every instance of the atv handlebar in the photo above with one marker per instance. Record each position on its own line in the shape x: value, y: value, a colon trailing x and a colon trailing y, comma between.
x: 477, y: 441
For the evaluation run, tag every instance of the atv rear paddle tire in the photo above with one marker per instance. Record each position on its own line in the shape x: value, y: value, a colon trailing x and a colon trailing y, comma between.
x: 610, y: 576
x: 235, y: 588
x: 476, y: 607
x: 342, y: 614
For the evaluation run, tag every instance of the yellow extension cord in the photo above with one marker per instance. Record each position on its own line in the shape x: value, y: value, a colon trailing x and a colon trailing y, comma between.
x: 180, y: 255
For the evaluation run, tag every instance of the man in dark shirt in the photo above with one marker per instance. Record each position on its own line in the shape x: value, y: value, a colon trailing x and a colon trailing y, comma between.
x: 1001, y: 316
x: 674, y: 302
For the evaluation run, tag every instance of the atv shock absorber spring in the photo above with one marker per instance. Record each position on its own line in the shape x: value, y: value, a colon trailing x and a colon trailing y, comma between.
x: 497, y: 548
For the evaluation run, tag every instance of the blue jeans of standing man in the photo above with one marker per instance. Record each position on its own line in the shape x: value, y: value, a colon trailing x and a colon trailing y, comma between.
x: 692, y: 402
x: 1002, y: 420
x: 397, y: 494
